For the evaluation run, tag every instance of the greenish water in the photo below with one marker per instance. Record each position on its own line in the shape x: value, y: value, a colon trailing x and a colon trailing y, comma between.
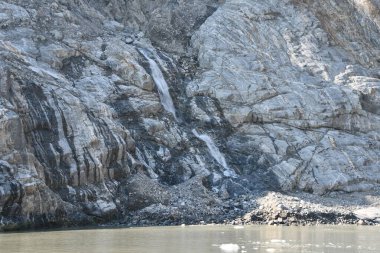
x: 266, y: 239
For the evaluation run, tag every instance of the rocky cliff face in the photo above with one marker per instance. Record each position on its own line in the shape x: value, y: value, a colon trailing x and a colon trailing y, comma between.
x: 288, y: 91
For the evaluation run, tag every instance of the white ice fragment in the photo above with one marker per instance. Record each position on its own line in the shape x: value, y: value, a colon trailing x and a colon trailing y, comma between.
x: 229, y: 247
x: 277, y: 241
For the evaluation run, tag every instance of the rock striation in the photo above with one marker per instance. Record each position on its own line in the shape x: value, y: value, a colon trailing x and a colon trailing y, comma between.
x: 287, y: 90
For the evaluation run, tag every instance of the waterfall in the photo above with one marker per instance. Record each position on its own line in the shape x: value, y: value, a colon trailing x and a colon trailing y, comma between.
x: 161, y: 84
x: 215, y: 153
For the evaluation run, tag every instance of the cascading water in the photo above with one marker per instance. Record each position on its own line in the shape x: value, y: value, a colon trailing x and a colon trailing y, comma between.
x: 161, y: 84
x: 214, y: 151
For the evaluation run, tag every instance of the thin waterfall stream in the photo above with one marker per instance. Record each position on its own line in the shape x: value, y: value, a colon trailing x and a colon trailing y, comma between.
x: 167, y: 103
x: 161, y: 84
x: 215, y: 153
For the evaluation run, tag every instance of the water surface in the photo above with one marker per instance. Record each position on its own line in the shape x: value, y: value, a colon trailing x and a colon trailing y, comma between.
x: 266, y: 239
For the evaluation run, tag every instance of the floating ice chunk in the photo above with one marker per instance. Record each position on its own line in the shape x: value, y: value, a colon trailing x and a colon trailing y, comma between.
x: 277, y: 241
x: 238, y: 227
x: 229, y: 247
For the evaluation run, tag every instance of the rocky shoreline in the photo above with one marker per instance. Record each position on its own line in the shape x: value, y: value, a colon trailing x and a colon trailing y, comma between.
x: 272, y: 209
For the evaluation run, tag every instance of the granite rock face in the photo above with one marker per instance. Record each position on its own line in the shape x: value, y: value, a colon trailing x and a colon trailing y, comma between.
x: 288, y: 91
x: 302, y: 96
